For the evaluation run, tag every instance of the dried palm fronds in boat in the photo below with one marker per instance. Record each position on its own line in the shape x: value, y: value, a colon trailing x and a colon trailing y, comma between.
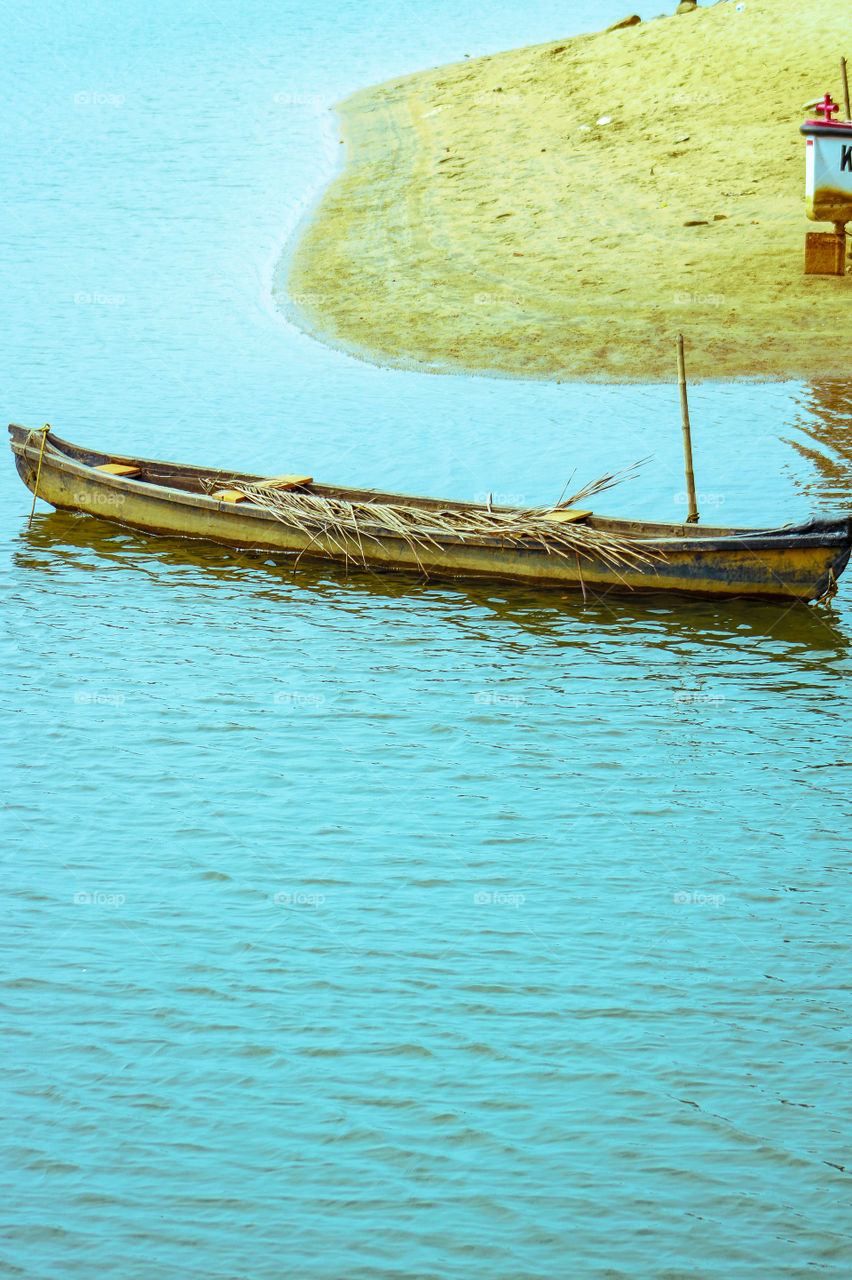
x: 345, y: 522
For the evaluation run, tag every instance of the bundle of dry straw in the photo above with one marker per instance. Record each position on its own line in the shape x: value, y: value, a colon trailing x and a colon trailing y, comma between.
x: 349, y: 525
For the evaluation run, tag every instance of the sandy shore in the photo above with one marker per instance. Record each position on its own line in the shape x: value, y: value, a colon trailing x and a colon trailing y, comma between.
x: 488, y: 220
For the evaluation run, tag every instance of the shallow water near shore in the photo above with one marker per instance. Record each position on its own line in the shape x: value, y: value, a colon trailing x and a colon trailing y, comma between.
x: 358, y: 926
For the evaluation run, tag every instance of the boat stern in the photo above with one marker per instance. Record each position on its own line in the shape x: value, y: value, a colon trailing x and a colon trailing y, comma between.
x: 825, y: 587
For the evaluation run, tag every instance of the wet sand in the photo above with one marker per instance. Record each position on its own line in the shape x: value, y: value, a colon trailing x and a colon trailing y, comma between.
x: 487, y: 220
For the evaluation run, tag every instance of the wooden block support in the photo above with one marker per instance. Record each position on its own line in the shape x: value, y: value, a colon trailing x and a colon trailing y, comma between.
x: 825, y: 253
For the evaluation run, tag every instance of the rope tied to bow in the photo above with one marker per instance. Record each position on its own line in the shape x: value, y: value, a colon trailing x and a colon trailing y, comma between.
x: 43, y: 431
x: 830, y: 591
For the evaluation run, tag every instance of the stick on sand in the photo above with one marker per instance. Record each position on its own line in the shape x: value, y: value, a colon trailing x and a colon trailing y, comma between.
x: 692, y: 518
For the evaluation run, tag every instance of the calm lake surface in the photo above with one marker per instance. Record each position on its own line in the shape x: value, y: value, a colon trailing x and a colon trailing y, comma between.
x: 360, y: 927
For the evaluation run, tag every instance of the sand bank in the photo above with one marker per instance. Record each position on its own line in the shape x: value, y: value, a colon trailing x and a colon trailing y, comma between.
x: 489, y: 220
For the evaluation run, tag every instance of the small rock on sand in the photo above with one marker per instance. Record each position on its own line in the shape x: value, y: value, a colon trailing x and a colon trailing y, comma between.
x: 625, y: 22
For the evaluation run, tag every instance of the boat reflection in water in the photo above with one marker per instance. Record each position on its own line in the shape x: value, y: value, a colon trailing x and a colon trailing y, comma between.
x: 826, y: 419
x: 62, y: 544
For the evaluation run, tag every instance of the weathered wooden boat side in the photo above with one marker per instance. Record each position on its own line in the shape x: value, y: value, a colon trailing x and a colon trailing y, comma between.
x: 171, y: 499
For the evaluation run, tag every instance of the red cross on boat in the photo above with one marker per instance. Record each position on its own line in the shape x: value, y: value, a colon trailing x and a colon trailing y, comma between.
x: 827, y: 108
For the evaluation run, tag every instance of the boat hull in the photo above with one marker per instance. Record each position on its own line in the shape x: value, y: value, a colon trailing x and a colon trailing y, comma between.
x: 783, y: 564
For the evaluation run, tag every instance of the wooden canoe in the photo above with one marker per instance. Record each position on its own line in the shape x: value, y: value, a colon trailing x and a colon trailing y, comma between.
x: 799, y: 562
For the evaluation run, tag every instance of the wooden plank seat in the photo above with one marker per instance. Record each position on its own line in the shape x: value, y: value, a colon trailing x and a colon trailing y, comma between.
x: 274, y: 482
x: 286, y: 482
x: 117, y: 469
x: 229, y: 495
x: 569, y: 515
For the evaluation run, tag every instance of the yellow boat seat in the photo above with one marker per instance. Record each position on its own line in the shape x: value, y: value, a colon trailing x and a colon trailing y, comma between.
x: 229, y: 495
x: 569, y: 515
x: 286, y: 482
x: 274, y: 482
x: 117, y: 469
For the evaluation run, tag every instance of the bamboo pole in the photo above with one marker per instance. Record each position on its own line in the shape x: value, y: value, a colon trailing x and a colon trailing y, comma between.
x: 692, y: 518
x: 845, y: 87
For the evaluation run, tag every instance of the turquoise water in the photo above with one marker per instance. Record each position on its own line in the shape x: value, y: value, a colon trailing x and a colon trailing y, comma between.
x: 355, y: 926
